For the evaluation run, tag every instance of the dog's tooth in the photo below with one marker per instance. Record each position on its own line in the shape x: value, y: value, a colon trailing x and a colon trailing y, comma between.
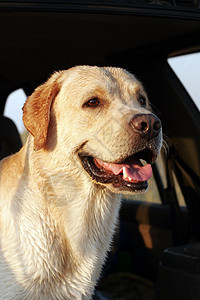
x: 127, y: 178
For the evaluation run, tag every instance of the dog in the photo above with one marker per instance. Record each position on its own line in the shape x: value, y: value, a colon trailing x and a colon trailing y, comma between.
x: 89, y: 127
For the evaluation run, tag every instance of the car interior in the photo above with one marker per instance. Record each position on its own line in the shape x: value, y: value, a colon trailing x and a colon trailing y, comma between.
x: 156, y: 250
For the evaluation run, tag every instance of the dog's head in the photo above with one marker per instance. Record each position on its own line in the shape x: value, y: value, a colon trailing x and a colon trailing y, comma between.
x: 100, y: 117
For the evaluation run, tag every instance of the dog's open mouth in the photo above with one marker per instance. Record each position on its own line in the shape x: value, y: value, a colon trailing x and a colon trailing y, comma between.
x: 131, y: 174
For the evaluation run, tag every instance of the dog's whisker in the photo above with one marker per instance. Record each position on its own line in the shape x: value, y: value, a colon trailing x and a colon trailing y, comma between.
x: 166, y: 145
x: 165, y: 148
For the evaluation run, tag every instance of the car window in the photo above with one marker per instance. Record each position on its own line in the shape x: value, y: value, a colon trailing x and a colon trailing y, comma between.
x: 13, y: 110
x: 187, y: 69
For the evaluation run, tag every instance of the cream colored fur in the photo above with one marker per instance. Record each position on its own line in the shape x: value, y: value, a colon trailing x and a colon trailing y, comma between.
x: 56, y: 224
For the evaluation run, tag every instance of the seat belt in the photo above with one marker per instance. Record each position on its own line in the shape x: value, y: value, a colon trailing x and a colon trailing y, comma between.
x: 169, y: 197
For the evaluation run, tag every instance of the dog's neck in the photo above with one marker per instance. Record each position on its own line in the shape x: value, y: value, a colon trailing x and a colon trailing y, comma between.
x: 84, y: 217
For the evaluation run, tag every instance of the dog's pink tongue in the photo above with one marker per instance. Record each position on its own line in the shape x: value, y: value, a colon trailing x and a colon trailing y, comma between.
x: 132, y: 172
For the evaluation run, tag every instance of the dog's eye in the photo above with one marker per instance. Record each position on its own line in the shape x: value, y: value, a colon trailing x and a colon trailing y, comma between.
x: 142, y: 100
x: 94, y: 102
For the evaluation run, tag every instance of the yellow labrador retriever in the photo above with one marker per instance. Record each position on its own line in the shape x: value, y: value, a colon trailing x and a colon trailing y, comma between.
x: 59, y: 196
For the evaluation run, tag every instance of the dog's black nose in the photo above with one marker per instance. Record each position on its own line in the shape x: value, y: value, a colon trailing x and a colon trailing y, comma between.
x: 147, y: 125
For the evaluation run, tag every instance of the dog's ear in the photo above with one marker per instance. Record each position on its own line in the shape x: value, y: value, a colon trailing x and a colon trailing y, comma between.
x: 36, y: 110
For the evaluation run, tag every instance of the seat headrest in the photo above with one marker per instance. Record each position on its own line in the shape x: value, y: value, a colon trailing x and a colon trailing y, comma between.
x: 10, y: 141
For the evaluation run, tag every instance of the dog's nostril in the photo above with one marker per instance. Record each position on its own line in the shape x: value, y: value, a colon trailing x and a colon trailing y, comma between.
x: 143, y: 126
x: 157, y: 125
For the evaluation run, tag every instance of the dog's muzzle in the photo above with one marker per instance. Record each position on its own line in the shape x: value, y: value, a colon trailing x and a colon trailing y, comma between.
x: 133, y: 172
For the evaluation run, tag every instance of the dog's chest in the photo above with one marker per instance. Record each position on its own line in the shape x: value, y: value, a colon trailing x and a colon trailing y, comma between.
x: 43, y: 265
x: 57, y: 258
